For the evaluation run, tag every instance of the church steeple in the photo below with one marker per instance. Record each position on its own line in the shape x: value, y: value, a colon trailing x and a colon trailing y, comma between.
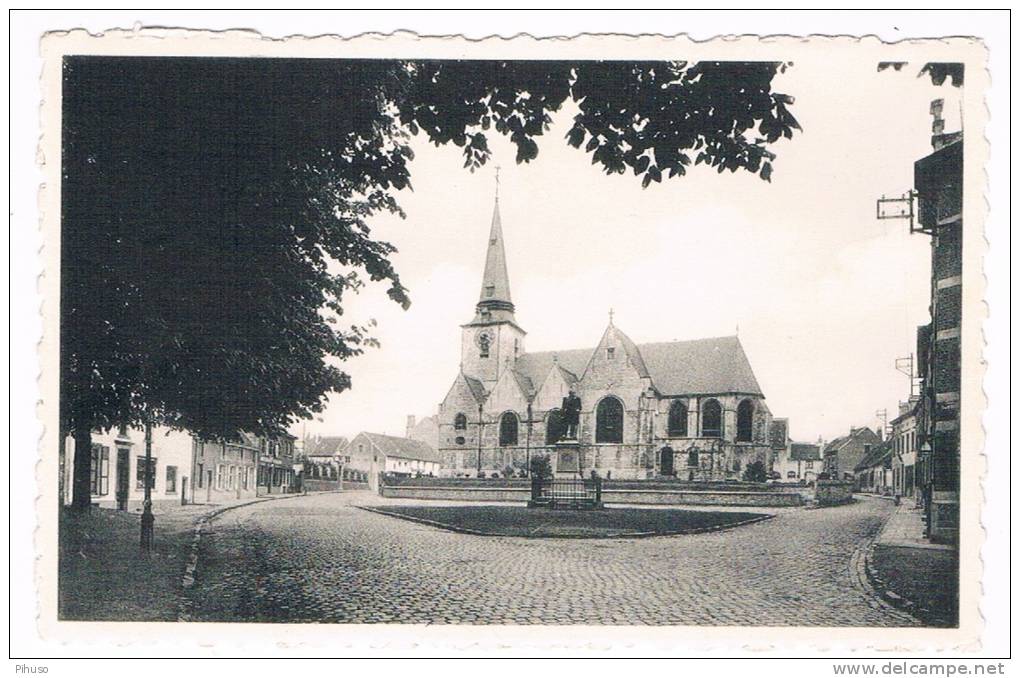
x: 494, y: 301
x: 493, y: 341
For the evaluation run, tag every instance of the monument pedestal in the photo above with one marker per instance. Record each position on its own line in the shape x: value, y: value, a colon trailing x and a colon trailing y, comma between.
x: 568, y: 458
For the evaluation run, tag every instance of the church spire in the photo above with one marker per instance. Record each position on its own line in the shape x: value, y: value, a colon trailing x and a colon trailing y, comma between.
x: 494, y: 298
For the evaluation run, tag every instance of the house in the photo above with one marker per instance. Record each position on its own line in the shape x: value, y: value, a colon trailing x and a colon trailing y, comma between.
x: 842, y: 455
x: 802, y: 462
x: 276, y: 461
x: 905, y: 466
x: 375, y: 454
x: 874, y: 472
x: 225, y: 470
x: 326, y: 450
x: 117, y: 478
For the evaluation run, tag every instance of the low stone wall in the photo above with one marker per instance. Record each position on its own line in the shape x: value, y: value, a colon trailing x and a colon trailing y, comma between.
x: 609, y: 496
x: 833, y: 492
x: 702, y: 497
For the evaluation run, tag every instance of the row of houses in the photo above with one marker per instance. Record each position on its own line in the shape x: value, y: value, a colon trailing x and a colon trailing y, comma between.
x: 369, y: 455
x: 184, y: 468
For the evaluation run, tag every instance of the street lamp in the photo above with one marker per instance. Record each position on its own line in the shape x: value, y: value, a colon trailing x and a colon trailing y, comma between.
x: 148, y: 520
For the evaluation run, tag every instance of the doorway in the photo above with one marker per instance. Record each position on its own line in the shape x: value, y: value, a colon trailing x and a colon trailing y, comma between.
x: 123, y: 473
x: 666, y: 461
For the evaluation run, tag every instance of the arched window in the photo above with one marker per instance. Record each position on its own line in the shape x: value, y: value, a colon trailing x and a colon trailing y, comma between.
x: 745, y: 417
x: 676, y: 424
x: 609, y: 421
x: 460, y: 422
x: 508, y: 429
x: 711, y: 419
x: 554, y: 428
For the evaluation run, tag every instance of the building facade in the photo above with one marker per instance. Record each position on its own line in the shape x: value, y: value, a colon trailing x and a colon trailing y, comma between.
x: 874, y: 472
x: 842, y: 455
x: 904, y: 439
x: 691, y: 409
x: 938, y: 182
x: 118, y: 467
x: 376, y: 454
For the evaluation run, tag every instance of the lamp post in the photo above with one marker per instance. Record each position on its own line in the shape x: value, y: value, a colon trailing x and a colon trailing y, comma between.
x: 148, y: 520
x: 478, y: 471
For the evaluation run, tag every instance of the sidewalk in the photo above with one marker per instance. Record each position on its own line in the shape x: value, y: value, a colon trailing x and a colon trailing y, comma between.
x: 913, y: 573
x: 104, y: 576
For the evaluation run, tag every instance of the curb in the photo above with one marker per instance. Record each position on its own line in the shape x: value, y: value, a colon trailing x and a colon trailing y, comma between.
x: 188, y: 580
x: 624, y: 535
x: 861, y: 571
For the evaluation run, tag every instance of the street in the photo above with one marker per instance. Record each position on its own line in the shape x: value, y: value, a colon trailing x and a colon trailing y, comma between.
x: 319, y: 558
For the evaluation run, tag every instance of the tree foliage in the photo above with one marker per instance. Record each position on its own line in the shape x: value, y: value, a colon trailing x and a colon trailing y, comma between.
x: 216, y: 212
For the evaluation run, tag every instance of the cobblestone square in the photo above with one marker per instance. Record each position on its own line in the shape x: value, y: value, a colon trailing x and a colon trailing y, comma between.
x: 318, y: 558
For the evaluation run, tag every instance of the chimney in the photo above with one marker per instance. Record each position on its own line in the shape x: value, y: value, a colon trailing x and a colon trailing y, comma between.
x: 410, y: 425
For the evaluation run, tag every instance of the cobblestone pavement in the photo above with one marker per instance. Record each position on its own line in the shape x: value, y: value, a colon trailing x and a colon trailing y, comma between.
x: 319, y: 558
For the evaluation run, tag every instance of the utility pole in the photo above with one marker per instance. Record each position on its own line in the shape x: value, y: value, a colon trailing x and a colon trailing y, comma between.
x: 906, y: 366
x: 148, y: 520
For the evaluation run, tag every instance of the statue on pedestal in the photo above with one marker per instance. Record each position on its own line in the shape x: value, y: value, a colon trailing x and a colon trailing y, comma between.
x: 571, y: 409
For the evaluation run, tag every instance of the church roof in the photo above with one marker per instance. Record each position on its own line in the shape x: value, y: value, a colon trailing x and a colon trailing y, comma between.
x: 535, y: 366
x: 700, y: 366
x: 477, y: 389
x: 401, y: 448
x: 495, y: 280
x: 716, y: 365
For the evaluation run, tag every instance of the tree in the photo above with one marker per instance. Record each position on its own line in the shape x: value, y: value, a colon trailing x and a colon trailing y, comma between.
x: 217, y: 211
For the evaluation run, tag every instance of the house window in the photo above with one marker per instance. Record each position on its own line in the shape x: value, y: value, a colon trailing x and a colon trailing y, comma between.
x: 610, y: 353
x: 100, y: 470
x: 609, y: 421
x: 201, y: 475
x: 676, y: 423
x: 809, y: 464
x: 459, y: 440
x: 508, y: 429
x: 711, y: 419
x: 140, y: 473
x: 171, y: 479
x: 745, y: 417
x: 692, y: 459
x: 554, y: 428
x: 220, y: 476
x: 460, y: 422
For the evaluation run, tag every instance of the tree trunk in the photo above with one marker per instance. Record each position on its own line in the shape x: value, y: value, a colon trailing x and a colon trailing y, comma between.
x: 81, y: 486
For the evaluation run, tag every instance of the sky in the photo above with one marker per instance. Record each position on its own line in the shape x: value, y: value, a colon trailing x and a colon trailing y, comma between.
x: 824, y: 296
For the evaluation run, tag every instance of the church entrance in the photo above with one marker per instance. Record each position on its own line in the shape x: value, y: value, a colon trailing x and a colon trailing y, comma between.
x: 666, y: 461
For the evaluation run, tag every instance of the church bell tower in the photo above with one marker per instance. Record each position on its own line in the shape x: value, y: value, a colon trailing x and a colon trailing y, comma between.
x: 492, y: 341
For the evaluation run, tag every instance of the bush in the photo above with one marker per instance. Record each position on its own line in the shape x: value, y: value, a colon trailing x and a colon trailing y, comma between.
x: 541, y: 467
x: 755, y: 472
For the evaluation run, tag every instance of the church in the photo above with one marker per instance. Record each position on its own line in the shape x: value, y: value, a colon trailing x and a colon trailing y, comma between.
x: 687, y: 409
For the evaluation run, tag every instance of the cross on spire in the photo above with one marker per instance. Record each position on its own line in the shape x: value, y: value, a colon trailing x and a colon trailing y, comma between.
x: 610, y: 315
x: 497, y: 183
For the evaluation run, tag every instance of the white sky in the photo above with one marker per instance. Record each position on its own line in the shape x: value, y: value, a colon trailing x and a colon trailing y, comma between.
x: 826, y: 297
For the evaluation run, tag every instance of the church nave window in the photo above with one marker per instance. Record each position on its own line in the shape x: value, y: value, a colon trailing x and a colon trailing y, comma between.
x: 508, y: 429
x: 745, y: 417
x: 676, y: 423
x: 609, y: 421
x: 460, y: 422
x: 711, y: 419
